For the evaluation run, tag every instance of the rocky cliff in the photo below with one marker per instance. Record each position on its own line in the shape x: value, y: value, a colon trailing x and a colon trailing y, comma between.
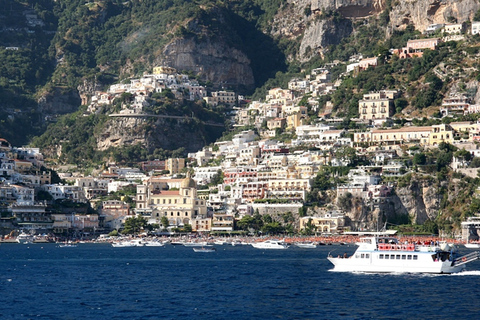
x: 154, y: 133
x: 420, y: 200
x: 424, y: 12
x: 213, y: 61
x: 309, y: 22
x: 416, y: 202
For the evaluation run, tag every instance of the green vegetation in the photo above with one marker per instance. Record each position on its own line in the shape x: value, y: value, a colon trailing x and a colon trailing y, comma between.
x: 134, y: 225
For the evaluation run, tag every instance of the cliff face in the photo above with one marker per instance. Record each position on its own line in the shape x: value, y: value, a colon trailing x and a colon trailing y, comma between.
x: 307, y: 20
x: 425, y: 12
x: 320, y: 34
x: 417, y: 202
x: 213, y: 61
x: 59, y: 101
x: 420, y: 200
x: 168, y: 134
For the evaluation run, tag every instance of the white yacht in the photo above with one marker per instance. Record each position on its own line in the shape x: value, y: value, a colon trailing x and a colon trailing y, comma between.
x: 386, y: 254
x: 25, y: 238
x: 306, y: 245
x: 195, y: 244
x: 154, y: 243
x: 270, y: 244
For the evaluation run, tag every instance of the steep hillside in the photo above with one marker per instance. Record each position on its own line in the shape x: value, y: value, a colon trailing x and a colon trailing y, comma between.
x: 67, y: 50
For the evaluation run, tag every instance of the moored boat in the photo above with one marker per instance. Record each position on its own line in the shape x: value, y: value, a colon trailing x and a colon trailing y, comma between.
x: 195, y: 244
x: 25, y: 238
x: 67, y: 245
x: 306, y: 245
x: 472, y: 245
x: 270, y: 244
x: 154, y: 244
x: 204, y: 249
x: 385, y: 254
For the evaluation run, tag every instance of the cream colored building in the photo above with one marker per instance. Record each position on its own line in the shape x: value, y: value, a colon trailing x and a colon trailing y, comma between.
x: 419, y: 135
x: 164, y: 70
x: 221, y: 97
x: 180, y: 206
x: 276, y: 123
x: 288, y: 188
x: 175, y: 165
x: 223, y: 222
x: 295, y: 120
x: 326, y: 224
x: 465, y: 128
x: 440, y: 133
x: 377, y: 105
x: 454, y: 28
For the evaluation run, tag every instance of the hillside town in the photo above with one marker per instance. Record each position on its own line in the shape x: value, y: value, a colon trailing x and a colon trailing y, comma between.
x: 272, y: 168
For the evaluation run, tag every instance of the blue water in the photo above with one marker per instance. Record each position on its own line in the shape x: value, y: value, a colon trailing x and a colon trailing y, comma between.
x: 97, y: 281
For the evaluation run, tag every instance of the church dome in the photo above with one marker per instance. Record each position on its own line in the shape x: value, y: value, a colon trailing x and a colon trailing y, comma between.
x: 188, y: 182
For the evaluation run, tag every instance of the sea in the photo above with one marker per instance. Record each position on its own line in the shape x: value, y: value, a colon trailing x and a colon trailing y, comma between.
x: 97, y: 281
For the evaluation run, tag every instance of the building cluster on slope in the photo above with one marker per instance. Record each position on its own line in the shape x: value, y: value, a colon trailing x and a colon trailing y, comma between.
x: 162, y: 78
x: 257, y: 173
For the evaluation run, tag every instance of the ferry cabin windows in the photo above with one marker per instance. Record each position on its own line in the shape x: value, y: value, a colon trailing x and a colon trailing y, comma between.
x: 398, y: 257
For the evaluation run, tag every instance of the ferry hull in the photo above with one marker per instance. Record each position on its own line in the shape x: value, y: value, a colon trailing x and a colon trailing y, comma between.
x: 357, y: 265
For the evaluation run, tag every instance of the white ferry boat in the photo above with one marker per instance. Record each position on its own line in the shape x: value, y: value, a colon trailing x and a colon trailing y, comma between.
x: 386, y: 254
x: 270, y: 244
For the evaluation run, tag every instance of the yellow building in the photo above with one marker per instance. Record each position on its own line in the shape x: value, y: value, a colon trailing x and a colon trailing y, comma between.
x: 275, y: 123
x: 180, y: 206
x: 175, y: 165
x: 465, y: 128
x: 295, y: 120
x: 164, y: 70
x: 223, y: 222
x: 22, y: 166
x: 202, y: 224
x: 326, y: 224
x: 376, y: 105
x: 440, y: 133
x: 419, y: 135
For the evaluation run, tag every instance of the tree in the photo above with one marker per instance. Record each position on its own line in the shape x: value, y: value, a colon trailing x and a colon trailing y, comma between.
x: 254, y: 222
x: 217, y: 178
x: 463, y: 155
x: 164, y: 222
x: 419, y: 159
x: 187, y: 228
x: 134, y: 225
x: 272, y: 228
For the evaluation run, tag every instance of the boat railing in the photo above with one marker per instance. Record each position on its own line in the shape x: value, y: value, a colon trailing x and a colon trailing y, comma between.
x: 396, y: 247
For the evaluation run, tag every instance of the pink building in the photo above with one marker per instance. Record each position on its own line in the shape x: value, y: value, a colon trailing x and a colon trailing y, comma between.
x: 415, y: 48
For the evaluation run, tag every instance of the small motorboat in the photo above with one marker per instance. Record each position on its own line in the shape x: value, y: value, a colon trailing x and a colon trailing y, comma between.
x: 204, y: 249
x: 306, y: 245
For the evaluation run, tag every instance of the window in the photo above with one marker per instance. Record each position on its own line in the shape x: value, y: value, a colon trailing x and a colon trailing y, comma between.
x: 380, y: 256
x: 415, y: 257
x: 362, y: 255
x: 409, y: 257
x: 184, y: 200
x: 398, y: 257
x: 367, y: 255
x: 387, y: 256
x: 178, y: 214
x: 404, y: 257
